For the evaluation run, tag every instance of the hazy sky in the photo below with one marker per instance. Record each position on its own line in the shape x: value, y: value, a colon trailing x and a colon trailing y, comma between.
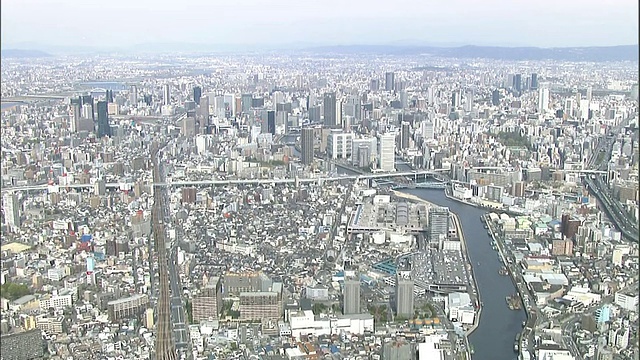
x: 110, y: 23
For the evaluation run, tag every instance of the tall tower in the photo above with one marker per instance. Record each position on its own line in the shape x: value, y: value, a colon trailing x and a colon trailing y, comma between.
x: 534, y: 81
x: 11, y: 209
x: 197, y: 94
x: 438, y: 223
x: 166, y: 94
x: 307, y: 142
x: 133, y: 95
x: 543, y: 100
x: 404, y: 294
x: 330, y: 109
x: 405, y: 135
x: 386, y: 151
x: 389, y: 81
x: 271, y: 122
x: 103, y: 128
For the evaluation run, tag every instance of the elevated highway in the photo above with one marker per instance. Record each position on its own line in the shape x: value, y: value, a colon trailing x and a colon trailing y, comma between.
x: 414, y: 174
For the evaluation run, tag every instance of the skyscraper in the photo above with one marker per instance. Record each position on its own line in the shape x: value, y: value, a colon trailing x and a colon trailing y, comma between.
x: 166, y: 94
x: 404, y: 294
x: 438, y: 223
x: 543, y: 100
x: 386, y: 151
x: 389, y: 81
x: 534, y: 81
x: 271, y: 122
x: 197, y: 94
x: 133, y: 95
x: 246, y: 100
x: 517, y: 82
x: 307, y: 142
x: 330, y: 112
x: 11, y: 209
x: 351, y: 296
x: 405, y: 135
x: 103, y: 127
x: 495, y: 97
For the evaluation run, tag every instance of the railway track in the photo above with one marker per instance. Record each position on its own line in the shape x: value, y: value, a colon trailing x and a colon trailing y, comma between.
x: 165, y: 348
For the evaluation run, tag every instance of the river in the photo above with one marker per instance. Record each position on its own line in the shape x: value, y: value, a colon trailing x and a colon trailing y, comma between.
x: 495, y: 335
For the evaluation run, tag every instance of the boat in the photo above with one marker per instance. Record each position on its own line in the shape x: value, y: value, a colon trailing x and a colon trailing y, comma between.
x: 515, y: 347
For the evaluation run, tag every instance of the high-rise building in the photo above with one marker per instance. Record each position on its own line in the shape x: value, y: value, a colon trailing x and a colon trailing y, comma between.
x: 271, y: 122
x: 351, y: 296
x: 247, y: 100
x: 543, y: 100
x: 307, y: 140
x: 208, y: 304
x: 517, y: 82
x: 405, y: 135
x: 374, y: 85
x: 389, y: 81
x: 438, y: 223
x: 404, y: 294
x: 534, y: 81
x: 103, y: 127
x: 386, y: 152
x: 11, y: 209
x: 589, y: 93
x: 133, y: 95
x: 197, y: 94
x: 495, y: 97
x: 166, y: 94
x: 330, y: 112
x: 339, y: 144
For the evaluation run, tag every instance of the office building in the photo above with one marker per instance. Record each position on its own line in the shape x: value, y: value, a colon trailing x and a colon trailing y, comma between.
x: 374, y: 85
x: 438, y: 223
x: 133, y: 95
x: 389, y: 81
x: 271, y: 122
x: 197, y: 94
x: 404, y: 294
x: 11, y: 209
x: 517, y: 82
x: 247, y: 102
x: 103, y: 127
x: 166, y: 94
x: 339, y: 144
x: 405, y: 135
x: 495, y: 97
x: 208, y: 304
x: 351, y: 296
x: 307, y: 140
x: 534, y: 81
x: 330, y: 110
x: 543, y: 100
x: 386, y: 152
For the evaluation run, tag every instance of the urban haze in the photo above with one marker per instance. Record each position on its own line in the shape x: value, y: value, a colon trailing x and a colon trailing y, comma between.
x: 319, y: 180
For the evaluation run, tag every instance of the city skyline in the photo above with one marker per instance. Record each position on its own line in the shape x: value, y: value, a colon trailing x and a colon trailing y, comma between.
x: 256, y: 24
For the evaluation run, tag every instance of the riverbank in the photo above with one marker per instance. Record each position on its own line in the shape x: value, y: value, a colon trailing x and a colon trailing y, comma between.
x: 501, y: 250
x: 465, y: 252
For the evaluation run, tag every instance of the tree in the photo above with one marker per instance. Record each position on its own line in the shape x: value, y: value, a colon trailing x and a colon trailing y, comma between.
x: 13, y: 291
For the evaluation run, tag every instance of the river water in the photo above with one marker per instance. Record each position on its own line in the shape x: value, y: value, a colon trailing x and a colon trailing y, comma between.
x: 495, y: 335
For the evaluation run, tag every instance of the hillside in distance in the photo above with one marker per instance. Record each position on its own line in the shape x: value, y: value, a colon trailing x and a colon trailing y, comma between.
x: 23, y: 54
x: 595, y: 54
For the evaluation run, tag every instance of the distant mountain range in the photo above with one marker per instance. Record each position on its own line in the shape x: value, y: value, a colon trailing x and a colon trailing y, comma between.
x: 23, y: 54
x: 596, y: 54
